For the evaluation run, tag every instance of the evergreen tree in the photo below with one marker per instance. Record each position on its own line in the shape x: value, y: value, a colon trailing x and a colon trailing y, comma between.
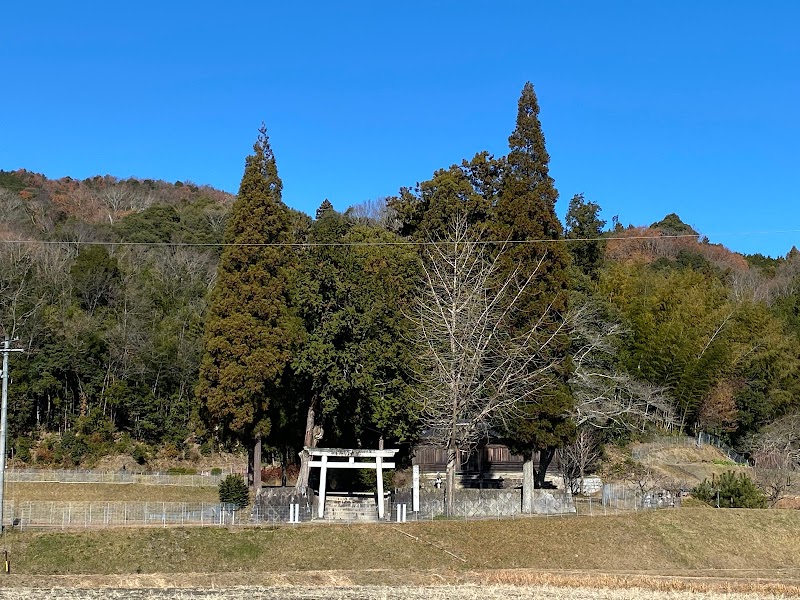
x: 673, y: 225
x: 352, y: 371
x: 525, y: 214
x: 251, y: 330
x: 428, y: 211
x: 730, y: 490
x: 584, y: 223
x: 233, y: 491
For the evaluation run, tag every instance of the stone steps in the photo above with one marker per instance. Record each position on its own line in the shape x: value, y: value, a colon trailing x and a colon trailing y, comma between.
x: 351, y: 509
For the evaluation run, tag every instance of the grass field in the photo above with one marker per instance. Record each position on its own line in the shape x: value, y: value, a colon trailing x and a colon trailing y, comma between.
x: 671, y: 550
x: 676, y: 554
x: 108, y: 492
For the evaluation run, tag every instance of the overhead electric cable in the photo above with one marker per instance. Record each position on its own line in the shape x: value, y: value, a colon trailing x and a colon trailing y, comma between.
x: 385, y: 243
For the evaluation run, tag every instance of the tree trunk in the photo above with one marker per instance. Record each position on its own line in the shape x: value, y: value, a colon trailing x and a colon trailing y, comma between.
x: 257, y: 465
x: 250, y: 472
x: 545, y: 457
x: 308, y: 442
x: 450, y: 481
x: 284, y: 465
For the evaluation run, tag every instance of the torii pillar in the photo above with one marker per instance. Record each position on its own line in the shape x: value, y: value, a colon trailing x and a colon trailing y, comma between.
x: 345, y: 458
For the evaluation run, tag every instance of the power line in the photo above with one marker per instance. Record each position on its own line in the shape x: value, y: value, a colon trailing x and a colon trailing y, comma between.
x: 382, y: 243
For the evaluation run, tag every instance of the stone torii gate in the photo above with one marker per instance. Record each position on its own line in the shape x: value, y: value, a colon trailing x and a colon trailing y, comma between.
x: 345, y: 458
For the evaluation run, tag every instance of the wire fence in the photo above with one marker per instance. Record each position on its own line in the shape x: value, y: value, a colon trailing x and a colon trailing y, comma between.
x: 24, y: 515
x: 624, y: 497
x: 712, y: 440
x: 93, y: 515
x: 122, y: 477
x: 701, y: 439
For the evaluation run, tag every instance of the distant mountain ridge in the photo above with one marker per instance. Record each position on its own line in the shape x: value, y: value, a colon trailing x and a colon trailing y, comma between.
x: 32, y: 204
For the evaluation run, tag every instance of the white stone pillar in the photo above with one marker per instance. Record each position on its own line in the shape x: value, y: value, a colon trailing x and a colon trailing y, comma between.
x: 527, y: 487
x: 323, y: 476
x: 379, y: 472
x: 415, y: 489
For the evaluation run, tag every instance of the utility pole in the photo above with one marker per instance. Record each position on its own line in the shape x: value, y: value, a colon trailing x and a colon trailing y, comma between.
x: 7, y: 349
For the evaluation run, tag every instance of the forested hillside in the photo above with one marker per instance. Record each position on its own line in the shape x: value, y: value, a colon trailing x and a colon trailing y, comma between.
x: 175, y: 318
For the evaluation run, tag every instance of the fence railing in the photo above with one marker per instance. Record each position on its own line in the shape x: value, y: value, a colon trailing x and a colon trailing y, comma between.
x: 80, y: 476
x: 95, y: 515
x: 700, y: 439
x: 623, y: 497
x: 712, y: 440
x: 88, y: 515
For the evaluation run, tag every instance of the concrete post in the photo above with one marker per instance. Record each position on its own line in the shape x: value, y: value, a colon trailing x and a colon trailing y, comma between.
x: 415, y: 489
x: 323, y: 476
x: 379, y: 471
x: 527, y: 487
x: 4, y: 424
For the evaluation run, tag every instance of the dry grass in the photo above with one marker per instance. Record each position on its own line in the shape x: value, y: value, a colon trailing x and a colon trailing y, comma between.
x: 108, y: 492
x: 691, y: 465
x: 372, y: 592
x: 754, y: 544
x: 444, y: 593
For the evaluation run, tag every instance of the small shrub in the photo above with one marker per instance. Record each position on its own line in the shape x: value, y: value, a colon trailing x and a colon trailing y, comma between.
x: 733, y: 491
x: 23, y: 448
x: 181, y: 471
x: 216, y: 471
x: 124, y: 444
x: 233, y: 490
x: 140, y: 454
x: 70, y: 450
x: 170, y: 451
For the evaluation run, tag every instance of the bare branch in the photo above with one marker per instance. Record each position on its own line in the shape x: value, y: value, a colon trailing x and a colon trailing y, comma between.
x: 604, y: 395
x: 473, y: 370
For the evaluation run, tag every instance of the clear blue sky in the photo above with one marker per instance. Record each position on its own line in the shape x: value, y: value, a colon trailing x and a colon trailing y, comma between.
x: 648, y: 108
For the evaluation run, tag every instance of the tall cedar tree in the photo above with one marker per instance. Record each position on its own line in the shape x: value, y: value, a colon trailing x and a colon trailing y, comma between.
x: 525, y: 212
x: 251, y: 330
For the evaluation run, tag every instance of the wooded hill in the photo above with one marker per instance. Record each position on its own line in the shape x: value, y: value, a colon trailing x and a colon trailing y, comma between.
x: 129, y: 296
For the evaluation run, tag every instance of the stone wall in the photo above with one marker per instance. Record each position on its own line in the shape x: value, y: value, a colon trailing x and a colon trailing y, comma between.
x: 273, y: 504
x: 487, y: 503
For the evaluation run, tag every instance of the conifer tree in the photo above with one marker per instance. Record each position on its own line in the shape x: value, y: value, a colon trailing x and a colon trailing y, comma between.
x: 585, y: 226
x: 251, y: 330
x: 525, y: 215
x: 352, y: 373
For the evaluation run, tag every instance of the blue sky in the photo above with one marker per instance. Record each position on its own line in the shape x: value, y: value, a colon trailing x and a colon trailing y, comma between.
x: 648, y: 108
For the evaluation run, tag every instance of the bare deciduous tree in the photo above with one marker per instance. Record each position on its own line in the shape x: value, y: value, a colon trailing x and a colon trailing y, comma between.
x: 376, y: 211
x: 776, y: 455
x: 605, y: 395
x: 578, y: 457
x: 18, y: 299
x: 119, y: 198
x: 473, y: 370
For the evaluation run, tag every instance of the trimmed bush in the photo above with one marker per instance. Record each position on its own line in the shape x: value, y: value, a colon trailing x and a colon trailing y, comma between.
x: 233, y: 490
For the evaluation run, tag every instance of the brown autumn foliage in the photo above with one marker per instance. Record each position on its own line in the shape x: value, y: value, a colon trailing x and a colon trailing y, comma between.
x: 648, y: 244
x: 718, y: 409
x: 101, y: 198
